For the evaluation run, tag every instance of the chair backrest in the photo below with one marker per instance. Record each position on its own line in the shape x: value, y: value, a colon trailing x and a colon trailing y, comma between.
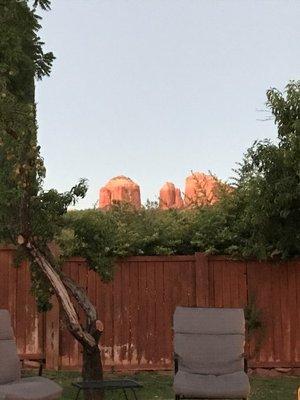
x: 209, y: 341
x: 10, y: 370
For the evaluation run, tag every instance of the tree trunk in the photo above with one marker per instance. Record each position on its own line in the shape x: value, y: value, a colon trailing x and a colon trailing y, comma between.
x: 90, y: 335
x: 92, y: 371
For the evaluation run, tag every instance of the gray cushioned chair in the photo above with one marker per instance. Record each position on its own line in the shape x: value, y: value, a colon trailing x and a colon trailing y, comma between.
x: 209, y: 353
x: 12, y: 386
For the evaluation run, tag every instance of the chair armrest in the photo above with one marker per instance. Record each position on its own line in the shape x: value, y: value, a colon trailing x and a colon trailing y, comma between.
x: 39, y: 358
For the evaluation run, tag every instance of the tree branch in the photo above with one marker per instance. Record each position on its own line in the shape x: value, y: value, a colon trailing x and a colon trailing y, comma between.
x: 85, y: 338
x: 94, y: 326
x: 85, y: 303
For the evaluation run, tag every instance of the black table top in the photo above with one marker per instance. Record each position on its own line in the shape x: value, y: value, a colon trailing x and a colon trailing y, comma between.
x: 109, y: 384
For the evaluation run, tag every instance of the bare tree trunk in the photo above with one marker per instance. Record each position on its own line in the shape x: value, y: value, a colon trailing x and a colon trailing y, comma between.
x: 92, y: 365
x: 92, y: 371
x: 90, y: 335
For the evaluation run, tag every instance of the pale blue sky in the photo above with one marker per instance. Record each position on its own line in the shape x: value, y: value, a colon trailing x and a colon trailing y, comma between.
x: 153, y: 89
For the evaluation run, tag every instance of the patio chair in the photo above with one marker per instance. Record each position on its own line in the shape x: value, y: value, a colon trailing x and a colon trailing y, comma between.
x: 209, y: 353
x: 12, y: 386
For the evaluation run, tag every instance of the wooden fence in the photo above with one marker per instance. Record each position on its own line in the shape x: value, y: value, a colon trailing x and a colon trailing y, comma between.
x: 137, y: 308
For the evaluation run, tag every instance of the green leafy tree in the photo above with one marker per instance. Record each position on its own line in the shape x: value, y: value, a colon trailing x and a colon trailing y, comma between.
x: 30, y: 217
x: 261, y: 217
x: 268, y: 185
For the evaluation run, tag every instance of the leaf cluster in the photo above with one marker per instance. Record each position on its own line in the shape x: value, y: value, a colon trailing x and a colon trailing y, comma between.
x: 104, y: 236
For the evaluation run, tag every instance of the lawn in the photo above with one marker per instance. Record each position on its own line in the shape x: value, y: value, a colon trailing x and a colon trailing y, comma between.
x: 158, y: 386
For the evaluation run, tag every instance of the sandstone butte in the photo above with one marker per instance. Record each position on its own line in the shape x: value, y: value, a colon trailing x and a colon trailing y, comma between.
x: 120, y: 189
x: 170, y: 197
x: 200, y: 189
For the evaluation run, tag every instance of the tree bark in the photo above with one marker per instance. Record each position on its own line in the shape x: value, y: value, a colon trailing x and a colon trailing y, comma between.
x: 88, y: 337
x: 63, y: 297
x: 92, y: 365
x: 92, y: 371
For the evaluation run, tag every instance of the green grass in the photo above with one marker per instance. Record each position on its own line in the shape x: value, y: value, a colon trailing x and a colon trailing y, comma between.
x: 158, y: 386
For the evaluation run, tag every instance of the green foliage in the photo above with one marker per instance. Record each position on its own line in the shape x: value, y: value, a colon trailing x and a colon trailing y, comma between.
x: 267, y: 198
x: 26, y: 210
x: 40, y: 288
x: 253, y: 316
x: 102, y: 237
x: 259, y: 218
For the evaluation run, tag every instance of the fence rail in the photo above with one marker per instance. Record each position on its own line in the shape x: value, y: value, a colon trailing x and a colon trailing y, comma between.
x: 137, y: 308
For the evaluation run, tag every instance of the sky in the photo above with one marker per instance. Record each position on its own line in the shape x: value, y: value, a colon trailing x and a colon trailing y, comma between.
x: 155, y: 89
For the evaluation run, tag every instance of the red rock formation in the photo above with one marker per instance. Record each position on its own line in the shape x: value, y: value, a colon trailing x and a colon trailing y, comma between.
x: 120, y: 189
x: 178, y: 198
x: 200, y: 189
x: 105, y: 197
x: 170, y: 197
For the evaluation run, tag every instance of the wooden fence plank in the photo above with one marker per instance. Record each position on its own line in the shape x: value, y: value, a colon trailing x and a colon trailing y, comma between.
x: 142, y: 293
x: 22, y: 288
x: 118, y: 316
x: 65, y: 338
x: 296, y: 318
x: 52, y: 336
x: 160, y: 322
x: 293, y: 311
x: 150, y: 314
x: 276, y: 310
x: 201, y: 280
x: 4, y: 281
x: 285, y: 314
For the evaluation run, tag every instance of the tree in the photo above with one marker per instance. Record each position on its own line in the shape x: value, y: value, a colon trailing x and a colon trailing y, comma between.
x: 261, y: 217
x: 269, y: 182
x: 30, y: 217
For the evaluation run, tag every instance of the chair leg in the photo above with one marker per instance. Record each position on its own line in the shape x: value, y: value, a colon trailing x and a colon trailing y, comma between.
x: 177, y: 397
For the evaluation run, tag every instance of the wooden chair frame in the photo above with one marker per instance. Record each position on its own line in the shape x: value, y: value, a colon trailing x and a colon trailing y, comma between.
x: 38, y: 358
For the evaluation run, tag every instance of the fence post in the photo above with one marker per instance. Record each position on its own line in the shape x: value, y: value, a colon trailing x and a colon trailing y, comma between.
x: 202, y: 280
x: 52, y: 336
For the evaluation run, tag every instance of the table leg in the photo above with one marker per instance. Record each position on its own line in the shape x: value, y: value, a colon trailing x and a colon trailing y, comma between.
x: 135, y: 396
x: 78, y: 394
x: 125, y: 394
